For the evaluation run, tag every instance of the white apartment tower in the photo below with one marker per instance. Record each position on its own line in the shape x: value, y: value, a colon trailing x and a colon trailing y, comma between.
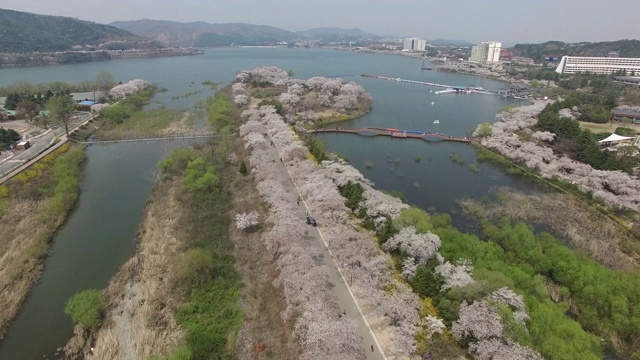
x: 414, y: 44
x: 486, y: 53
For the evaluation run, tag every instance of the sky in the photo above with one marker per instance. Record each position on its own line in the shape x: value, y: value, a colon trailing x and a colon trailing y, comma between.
x: 507, y: 21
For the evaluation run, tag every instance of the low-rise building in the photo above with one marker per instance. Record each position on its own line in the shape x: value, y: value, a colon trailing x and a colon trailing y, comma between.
x: 598, y: 65
x: 628, y: 80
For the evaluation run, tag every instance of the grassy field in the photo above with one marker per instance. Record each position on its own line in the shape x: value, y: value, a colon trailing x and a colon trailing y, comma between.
x: 608, y: 127
x: 144, y: 124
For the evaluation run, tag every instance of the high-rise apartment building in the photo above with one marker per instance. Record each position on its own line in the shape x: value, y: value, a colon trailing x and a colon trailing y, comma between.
x: 486, y: 52
x: 414, y: 44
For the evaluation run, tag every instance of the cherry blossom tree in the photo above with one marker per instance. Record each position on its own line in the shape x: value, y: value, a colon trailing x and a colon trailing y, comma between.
x: 435, y: 325
x: 477, y: 320
x: 241, y: 99
x: 421, y: 247
x: 127, y: 89
x: 98, y: 108
x: 544, y: 136
x: 502, y: 349
x: 458, y: 275
x: 247, y: 220
x: 239, y: 88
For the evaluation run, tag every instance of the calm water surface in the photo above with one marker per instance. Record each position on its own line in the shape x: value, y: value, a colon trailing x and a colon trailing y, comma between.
x: 100, y: 234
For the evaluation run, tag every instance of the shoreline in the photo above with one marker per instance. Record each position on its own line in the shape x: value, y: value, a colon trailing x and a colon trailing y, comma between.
x: 101, y: 58
x: 21, y: 265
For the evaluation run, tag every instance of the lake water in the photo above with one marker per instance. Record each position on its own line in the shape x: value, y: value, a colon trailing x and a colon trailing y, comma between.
x: 100, y: 234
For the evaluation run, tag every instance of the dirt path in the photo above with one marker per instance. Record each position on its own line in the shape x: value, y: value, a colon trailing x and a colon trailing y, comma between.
x: 346, y: 299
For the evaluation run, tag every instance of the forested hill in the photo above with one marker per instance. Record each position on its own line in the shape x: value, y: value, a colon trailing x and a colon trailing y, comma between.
x: 626, y: 48
x: 206, y: 34
x: 22, y: 32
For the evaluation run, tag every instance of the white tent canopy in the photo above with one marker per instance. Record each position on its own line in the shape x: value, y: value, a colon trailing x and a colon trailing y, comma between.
x: 614, y: 137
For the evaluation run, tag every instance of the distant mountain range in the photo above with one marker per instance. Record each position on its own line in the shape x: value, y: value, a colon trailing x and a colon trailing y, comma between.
x: 626, y: 48
x: 337, y: 34
x: 442, y: 42
x: 206, y: 34
x: 22, y: 32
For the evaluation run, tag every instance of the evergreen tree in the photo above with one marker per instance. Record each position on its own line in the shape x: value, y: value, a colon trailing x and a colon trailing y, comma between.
x: 243, y: 168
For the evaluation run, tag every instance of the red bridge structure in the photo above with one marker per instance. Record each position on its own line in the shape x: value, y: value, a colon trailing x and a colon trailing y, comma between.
x: 394, y: 133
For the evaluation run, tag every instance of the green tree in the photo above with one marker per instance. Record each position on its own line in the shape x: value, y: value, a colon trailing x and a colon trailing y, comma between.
x: 86, y: 308
x: 60, y: 109
x: 200, y: 176
x: 8, y: 137
x: 29, y: 108
x: 243, y: 168
x: 104, y: 82
x: 625, y: 131
x: 11, y: 101
x: 485, y: 129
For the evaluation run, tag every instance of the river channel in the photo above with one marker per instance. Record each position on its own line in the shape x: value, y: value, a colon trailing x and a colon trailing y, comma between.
x: 100, y: 233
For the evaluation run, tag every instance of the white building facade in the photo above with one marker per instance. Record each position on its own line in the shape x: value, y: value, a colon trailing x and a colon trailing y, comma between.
x: 486, y: 53
x: 598, y: 65
x: 414, y: 44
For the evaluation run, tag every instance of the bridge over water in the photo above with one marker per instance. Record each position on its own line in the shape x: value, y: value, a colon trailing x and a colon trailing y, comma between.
x: 395, y: 133
x: 155, y: 138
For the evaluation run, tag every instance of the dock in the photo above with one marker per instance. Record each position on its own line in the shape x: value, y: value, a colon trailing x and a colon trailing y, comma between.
x: 395, y: 133
x: 448, y: 88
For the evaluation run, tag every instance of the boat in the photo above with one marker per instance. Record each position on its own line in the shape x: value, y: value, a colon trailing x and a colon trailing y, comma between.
x: 433, y: 103
x: 436, y: 121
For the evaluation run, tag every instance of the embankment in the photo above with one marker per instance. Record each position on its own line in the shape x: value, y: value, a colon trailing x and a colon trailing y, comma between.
x: 33, y: 205
x: 140, y: 321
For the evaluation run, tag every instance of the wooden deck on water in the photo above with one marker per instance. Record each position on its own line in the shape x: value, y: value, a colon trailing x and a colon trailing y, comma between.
x: 394, y: 133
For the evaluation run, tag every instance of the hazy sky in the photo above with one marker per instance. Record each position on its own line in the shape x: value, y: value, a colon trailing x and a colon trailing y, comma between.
x: 509, y: 21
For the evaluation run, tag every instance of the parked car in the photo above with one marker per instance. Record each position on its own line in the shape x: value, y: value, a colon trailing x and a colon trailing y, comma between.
x: 311, y: 221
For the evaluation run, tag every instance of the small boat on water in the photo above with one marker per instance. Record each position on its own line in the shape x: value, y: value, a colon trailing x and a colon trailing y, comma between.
x: 433, y: 103
x: 436, y: 121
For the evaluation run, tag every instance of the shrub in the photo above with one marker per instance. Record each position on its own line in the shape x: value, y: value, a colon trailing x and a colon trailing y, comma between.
x: 86, y: 308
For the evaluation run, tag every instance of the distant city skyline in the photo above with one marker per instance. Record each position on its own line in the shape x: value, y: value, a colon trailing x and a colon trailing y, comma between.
x: 506, y: 21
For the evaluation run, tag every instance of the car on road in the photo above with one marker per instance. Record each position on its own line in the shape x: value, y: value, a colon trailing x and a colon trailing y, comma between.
x: 311, y: 221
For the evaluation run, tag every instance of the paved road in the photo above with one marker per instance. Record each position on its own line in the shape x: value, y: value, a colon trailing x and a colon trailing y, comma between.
x: 27, y: 157
x: 346, y: 300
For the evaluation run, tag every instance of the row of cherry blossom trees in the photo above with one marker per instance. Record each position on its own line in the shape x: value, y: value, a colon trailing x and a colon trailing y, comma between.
x: 311, y: 304
x: 615, y: 188
x: 127, y: 89
x: 322, y: 334
x: 370, y: 271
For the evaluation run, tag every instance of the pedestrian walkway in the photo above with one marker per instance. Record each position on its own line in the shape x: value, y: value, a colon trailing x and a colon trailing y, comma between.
x: 346, y: 299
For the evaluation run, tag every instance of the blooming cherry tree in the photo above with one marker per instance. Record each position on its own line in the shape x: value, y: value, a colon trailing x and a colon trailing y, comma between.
x: 247, y: 220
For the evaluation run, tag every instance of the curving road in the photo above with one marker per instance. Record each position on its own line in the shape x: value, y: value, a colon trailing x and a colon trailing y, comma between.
x: 26, y: 158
